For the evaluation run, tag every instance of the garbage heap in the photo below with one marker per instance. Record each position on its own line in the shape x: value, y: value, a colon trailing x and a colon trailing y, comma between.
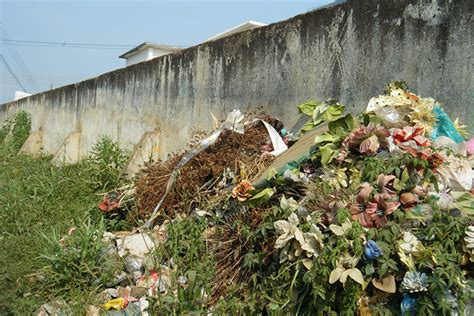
x: 366, y: 214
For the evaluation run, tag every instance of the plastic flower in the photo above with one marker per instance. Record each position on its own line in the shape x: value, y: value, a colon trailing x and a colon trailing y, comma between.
x: 336, y: 177
x: 414, y: 281
x: 313, y: 242
x: 242, y: 191
x: 408, y: 305
x: 372, y: 250
x: 294, y: 242
x: 469, y: 242
x: 422, y: 114
x: 288, y: 204
x: 408, y: 133
x: 376, y: 211
x: 288, y: 230
x: 410, y: 244
x: 346, y: 267
x: 367, y: 140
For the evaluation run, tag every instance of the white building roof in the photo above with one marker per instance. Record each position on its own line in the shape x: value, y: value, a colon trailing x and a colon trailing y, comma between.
x: 249, y: 25
x: 147, y: 45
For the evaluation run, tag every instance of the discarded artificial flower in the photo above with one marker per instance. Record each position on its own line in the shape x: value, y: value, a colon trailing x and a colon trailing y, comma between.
x: 375, y: 212
x: 422, y: 114
x: 335, y: 177
x: 410, y: 244
x: 346, y: 267
x: 367, y: 140
x: 408, y: 305
x: 293, y: 242
x: 313, y: 242
x: 288, y: 230
x: 457, y: 173
x: 469, y: 242
x: 414, y: 281
x: 408, y: 133
x: 372, y: 250
x: 408, y: 199
x: 241, y: 192
x: 425, y: 153
x: 288, y: 204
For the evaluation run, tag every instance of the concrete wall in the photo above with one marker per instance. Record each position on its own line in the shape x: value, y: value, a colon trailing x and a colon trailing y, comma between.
x: 348, y: 52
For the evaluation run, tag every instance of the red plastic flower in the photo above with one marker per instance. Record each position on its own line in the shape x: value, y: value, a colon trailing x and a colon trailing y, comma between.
x: 408, y: 133
x: 367, y: 140
x: 373, y: 212
x: 241, y: 192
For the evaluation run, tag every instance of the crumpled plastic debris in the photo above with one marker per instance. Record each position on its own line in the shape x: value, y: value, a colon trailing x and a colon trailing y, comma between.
x: 470, y: 146
x: 56, y: 308
x: 444, y: 126
x: 137, y: 244
x: 110, y: 203
x: 279, y: 145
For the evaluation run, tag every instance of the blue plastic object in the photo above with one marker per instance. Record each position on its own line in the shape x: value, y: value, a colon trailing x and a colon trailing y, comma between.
x: 444, y: 126
x: 408, y: 305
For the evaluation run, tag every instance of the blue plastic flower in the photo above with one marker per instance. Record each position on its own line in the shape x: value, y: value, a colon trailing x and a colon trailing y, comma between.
x: 408, y: 305
x: 372, y: 250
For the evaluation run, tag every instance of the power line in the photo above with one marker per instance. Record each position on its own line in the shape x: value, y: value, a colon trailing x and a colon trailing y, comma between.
x: 12, y: 73
x: 17, y: 58
x: 72, y: 44
x: 64, y: 44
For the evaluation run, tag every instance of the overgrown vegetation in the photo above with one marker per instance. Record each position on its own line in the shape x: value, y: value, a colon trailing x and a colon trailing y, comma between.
x: 376, y: 219
x: 15, y: 131
x: 40, y: 202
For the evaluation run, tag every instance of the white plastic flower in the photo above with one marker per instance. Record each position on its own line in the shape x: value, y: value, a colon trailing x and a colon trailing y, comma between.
x: 288, y: 230
x: 410, y: 244
x: 346, y: 267
x: 469, y: 242
x: 313, y: 242
x: 293, y: 242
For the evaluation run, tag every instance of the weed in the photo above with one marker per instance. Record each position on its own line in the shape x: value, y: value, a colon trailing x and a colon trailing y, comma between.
x: 16, y: 130
x: 192, y: 259
x: 106, y: 161
x: 41, y: 200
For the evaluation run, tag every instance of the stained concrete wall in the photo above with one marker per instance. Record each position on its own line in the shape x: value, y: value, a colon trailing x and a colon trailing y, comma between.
x: 348, y: 52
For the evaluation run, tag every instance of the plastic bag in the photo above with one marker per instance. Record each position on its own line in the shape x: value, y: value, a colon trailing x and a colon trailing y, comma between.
x: 444, y: 126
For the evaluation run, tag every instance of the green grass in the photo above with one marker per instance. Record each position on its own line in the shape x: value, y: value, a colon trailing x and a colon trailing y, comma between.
x: 38, y: 203
x: 36, y: 199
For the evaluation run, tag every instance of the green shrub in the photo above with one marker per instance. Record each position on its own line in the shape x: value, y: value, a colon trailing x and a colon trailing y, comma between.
x: 106, y: 161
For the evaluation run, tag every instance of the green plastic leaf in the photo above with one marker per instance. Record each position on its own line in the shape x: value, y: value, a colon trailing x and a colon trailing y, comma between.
x: 320, y: 113
x: 272, y: 173
x: 262, y: 196
x: 308, y: 108
x: 405, y: 176
x: 464, y: 201
x: 334, y: 112
x: 328, y: 153
x: 308, y: 126
x: 326, y: 137
x: 345, y: 123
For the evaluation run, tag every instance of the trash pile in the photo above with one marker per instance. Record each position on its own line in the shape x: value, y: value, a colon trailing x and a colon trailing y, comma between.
x: 367, y: 214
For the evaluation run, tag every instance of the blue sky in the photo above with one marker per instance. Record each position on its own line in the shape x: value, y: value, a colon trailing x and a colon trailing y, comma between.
x: 180, y: 23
